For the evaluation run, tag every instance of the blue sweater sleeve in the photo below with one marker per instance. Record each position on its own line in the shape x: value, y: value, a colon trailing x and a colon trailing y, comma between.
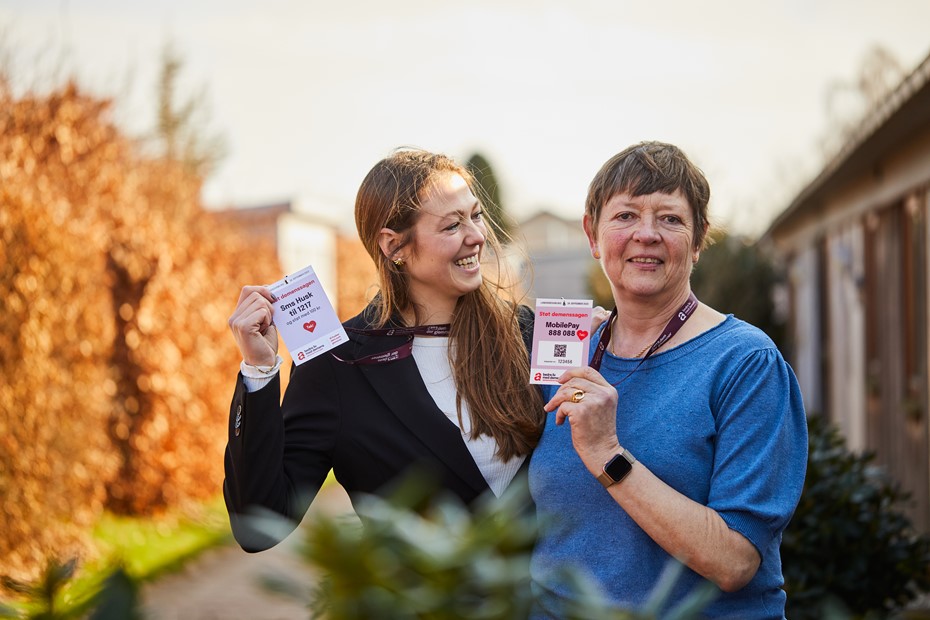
x: 761, y: 451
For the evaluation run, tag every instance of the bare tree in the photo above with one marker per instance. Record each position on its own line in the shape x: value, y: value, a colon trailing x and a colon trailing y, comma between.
x: 181, y: 127
x: 849, y: 101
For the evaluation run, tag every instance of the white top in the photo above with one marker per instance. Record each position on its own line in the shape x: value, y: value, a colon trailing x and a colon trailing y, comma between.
x: 432, y: 358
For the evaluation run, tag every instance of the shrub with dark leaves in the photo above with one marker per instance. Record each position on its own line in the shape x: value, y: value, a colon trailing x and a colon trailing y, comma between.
x: 849, y: 543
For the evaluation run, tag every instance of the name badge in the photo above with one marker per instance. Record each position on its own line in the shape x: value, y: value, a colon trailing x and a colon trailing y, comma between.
x: 561, y: 338
x: 305, y: 317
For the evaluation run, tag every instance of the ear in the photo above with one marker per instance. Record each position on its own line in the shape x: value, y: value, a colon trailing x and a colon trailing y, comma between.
x: 696, y: 252
x: 388, y: 241
x: 592, y: 236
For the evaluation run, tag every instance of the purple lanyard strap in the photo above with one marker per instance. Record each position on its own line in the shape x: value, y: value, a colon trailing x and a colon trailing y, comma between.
x: 671, y: 328
x: 397, y: 353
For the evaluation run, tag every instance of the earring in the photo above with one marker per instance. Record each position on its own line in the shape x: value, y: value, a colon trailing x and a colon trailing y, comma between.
x: 597, y: 254
x: 398, y: 262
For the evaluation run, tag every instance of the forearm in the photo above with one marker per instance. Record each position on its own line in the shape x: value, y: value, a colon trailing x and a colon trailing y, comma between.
x: 694, y: 534
x: 256, y: 475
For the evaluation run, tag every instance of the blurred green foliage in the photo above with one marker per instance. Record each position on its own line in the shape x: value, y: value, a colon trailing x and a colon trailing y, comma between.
x: 115, y: 596
x: 446, y: 562
x: 490, y: 192
x: 40, y: 596
x: 849, y: 545
x: 736, y: 276
x: 132, y: 549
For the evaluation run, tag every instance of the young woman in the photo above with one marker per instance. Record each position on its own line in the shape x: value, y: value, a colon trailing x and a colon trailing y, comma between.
x: 454, y: 399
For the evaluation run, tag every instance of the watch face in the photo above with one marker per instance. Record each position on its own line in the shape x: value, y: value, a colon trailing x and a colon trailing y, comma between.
x: 618, y: 467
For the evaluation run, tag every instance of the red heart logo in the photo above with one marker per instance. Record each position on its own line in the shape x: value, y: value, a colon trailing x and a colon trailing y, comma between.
x: 310, y: 326
x: 582, y: 334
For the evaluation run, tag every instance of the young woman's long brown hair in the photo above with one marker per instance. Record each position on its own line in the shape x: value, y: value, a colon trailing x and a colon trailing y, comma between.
x: 490, y: 363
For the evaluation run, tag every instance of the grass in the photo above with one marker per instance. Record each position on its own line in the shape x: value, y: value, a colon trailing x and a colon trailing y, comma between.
x: 144, y: 547
x: 148, y: 547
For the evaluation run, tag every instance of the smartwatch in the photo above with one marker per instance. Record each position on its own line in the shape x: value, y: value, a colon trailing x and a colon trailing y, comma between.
x: 617, y: 468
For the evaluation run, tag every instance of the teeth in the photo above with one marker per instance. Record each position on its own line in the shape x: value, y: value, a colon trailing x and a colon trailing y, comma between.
x: 655, y: 261
x: 471, y: 261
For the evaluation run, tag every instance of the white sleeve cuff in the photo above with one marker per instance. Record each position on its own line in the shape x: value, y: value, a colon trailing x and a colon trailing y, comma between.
x: 257, y: 377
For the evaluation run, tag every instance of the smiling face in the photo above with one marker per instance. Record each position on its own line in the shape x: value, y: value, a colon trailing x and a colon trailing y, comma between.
x: 646, y: 244
x: 442, y: 262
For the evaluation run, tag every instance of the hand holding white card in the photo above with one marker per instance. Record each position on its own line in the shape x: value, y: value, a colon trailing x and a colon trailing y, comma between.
x: 305, y: 317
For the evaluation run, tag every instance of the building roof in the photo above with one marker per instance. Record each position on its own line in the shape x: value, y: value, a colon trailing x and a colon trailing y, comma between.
x: 272, y: 210
x: 544, y: 214
x: 904, y: 110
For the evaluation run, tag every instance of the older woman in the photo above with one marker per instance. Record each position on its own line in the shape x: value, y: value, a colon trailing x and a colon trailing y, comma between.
x: 686, y: 438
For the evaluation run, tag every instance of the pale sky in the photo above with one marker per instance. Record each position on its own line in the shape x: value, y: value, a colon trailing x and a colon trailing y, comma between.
x: 310, y: 94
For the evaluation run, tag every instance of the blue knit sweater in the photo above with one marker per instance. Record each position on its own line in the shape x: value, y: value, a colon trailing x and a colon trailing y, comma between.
x: 720, y: 419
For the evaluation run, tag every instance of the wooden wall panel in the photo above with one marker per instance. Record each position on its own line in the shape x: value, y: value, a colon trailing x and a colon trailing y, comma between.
x: 896, y: 356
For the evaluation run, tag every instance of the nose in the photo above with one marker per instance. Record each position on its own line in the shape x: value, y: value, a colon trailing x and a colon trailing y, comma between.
x: 646, y: 231
x: 475, y: 233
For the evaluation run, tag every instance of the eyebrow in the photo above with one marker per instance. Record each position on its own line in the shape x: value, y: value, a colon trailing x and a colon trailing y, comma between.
x: 460, y: 212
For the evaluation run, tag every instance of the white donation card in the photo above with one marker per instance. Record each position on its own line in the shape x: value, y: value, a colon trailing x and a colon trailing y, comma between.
x: 561, y: 338
x: 304, y: 316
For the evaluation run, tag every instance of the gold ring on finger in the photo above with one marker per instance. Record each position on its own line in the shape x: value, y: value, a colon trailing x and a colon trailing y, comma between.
x: 577, y: 396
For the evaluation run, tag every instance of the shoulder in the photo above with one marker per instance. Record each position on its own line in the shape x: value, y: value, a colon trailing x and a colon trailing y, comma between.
x: 363, y: 320
x: 742, y: 354
x: 525, y: 319
x: 738, y: 333
x: 734, y: 348
x: 525, y: 316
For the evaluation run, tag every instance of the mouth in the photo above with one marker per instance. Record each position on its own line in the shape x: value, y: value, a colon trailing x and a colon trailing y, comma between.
x: 469, y: 262
x: 645, y: 260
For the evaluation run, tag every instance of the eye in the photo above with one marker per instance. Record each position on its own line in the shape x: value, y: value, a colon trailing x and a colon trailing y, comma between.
x: 452, y: 227
x: 624, y: 216
x: 477, y: 215
x: 673, y: 219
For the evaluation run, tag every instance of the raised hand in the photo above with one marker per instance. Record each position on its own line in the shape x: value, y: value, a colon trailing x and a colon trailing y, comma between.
x: 252, y: 327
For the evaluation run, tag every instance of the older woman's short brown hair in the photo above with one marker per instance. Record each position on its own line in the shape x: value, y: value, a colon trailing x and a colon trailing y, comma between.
x: 646, y: 168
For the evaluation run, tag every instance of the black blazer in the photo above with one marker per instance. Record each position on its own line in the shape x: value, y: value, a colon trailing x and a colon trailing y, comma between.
x: 368, y: 423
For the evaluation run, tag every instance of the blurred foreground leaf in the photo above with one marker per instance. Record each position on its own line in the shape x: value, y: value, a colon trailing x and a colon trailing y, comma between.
x: 444, y: 561
x: 115, y: 598
x: 118, y: 599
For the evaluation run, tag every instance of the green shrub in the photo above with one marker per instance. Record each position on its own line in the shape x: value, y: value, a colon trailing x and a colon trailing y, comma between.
x: 115, y: 596
x: 849, y: 544
x: 444, y: 562
x: 736, y: 276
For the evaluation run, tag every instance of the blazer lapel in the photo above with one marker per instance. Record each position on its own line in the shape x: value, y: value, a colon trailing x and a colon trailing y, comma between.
x: 400, y: 386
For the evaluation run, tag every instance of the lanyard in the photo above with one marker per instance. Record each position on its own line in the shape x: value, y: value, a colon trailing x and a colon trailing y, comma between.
x: 671, y: 328
x: 397, y: 353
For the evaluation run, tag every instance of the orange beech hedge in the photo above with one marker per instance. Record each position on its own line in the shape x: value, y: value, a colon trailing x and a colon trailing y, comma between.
x: 117, y: 363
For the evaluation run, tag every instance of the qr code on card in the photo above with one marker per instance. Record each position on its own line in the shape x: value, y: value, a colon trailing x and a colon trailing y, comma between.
x: 560, y: 350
